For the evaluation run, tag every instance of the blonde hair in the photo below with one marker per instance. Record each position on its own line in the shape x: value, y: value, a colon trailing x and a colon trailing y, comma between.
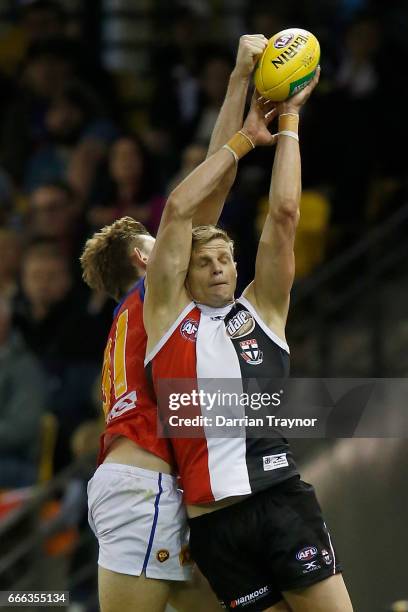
x: 106, y: 262
x: 204, y: 233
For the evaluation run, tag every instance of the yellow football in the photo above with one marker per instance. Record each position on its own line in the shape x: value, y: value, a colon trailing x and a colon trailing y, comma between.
x: 288, y: 63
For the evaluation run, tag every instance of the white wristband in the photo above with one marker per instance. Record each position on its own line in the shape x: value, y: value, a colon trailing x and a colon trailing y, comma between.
x: 231, y: 151
x: 289, y: 133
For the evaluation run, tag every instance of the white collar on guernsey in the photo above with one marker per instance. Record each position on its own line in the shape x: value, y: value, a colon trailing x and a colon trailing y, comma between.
x: 215, y: 314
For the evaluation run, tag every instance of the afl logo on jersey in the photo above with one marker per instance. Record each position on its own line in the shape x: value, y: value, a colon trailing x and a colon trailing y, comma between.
x: 251, y: 351
x: 240, y: 325
x: 188, y: 329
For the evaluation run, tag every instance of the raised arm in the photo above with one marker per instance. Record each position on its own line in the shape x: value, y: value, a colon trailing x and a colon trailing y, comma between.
x: 229, y: 122
x: 275, y: 262
x: 168, y: 264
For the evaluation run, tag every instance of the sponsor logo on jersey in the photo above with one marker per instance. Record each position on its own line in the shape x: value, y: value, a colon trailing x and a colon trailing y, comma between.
x: 250, y: 598
x: 240, y: 325
x: 307, y: 553
x: 185, y: 556
x: 125, y: 403
x: 162, y: 555
x: 327, y: 558
x: 189, y: 329
x: 274, y: 462
x: 312, y: 566
x: 251, y: 351
x: 283, y: 40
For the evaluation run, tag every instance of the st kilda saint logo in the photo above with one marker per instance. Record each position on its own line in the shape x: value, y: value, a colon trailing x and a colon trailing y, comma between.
x: 251, y: 352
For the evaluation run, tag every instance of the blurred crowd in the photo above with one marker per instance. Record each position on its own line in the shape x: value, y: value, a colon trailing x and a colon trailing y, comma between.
x: 75, y: 154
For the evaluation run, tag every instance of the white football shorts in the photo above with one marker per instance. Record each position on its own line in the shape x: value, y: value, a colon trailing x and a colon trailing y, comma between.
x: 140, y: 522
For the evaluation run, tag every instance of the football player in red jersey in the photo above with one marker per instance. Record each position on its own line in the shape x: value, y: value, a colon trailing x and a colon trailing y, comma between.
x: 256, y: 530
x: 135, y: 507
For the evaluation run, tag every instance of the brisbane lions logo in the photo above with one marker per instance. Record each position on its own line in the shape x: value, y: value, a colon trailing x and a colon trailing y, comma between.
x: 189, y: 329
x: 240, y: 325
x: 162, y: 555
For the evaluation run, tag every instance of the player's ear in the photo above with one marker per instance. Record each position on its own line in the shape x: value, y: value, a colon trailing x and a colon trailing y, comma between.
x: 236, y: 271
x: 139, y: 258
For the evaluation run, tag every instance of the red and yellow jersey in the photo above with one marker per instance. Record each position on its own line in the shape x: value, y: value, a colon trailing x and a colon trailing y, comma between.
x: 128, y: 401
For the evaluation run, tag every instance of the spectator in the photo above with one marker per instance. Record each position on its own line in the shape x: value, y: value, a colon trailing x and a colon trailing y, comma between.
x: 174, y: 64
x: 48, y: 66
x: 6, y: 193
x: 54, y: 214
x: 356, y: 93
x: 78, y: 134
x: 38, y: 21
x: 66, y: 335
x: 192, y: 156
x: 129, y: 187
x: 22, y: 403
x: 10, y: 254
x: 213, y: 83
x: 193, y: 99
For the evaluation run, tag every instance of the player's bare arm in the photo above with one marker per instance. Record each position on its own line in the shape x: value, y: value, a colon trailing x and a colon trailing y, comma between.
x: 230, y: 120
x: 166, y: 295
x: 167, y: 268
x: 275, y: 263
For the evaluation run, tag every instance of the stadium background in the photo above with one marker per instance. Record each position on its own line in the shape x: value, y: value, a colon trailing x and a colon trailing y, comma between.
x: 104, y: 106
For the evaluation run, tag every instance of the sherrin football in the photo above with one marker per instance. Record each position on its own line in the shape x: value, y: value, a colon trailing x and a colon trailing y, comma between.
x: 287, y: 65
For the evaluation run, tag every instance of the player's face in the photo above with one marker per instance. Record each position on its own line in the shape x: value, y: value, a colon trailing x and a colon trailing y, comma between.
x: 212, y: 274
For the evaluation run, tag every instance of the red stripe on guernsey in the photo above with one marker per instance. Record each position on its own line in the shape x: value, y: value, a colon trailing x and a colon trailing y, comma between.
x: 130, y: 410
x: 175, y: 358
x: 197, y: 351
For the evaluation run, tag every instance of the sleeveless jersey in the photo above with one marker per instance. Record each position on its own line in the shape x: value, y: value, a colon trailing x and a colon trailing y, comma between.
x: 214, y: 344
x: 128, y: 403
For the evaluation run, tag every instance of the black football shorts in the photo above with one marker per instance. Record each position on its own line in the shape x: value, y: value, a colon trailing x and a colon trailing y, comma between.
x: 273, y: 541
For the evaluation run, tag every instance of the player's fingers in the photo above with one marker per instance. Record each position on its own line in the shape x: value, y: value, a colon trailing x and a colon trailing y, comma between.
x: 253, y: 46
x: 256, y: 48
x: 256, y: 37
x: 267, y: 107
x: 305, y: 93
x: 263, y: 101
x: 315, y: 79
x: 270, y: 116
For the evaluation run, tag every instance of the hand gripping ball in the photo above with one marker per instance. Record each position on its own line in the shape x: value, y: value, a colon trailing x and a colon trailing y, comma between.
x: 288, y: 64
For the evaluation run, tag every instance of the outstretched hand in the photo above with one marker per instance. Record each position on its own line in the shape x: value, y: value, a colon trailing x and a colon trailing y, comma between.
x: 260, y: 115
x: 295, y: 102
x: 250, y: 48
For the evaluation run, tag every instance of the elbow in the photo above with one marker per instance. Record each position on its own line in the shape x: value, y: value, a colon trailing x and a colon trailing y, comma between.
x: 287, y: 210
x: 176, y: 207
x: 173, y: 205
